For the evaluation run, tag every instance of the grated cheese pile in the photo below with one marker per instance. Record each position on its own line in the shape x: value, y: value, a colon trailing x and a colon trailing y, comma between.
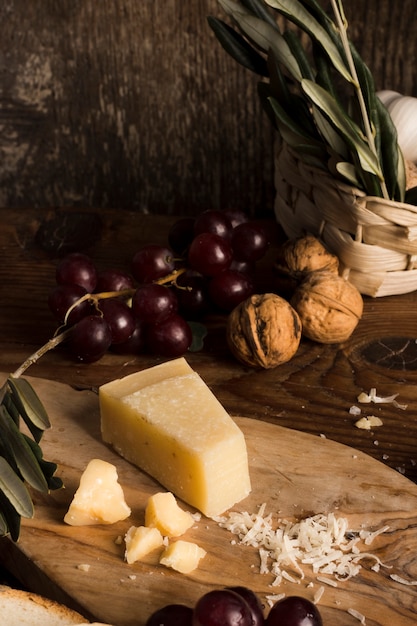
x: 322, y: 542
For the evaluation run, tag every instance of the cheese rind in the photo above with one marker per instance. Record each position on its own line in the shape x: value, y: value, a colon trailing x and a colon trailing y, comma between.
x: 99, y: 498
x: 166, y: 421
x: 162, y: 512
x: 182, y: 556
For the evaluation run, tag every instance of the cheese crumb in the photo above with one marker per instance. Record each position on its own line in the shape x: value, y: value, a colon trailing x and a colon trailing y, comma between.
x: 354, y: 613
x: 366, y: 398
x: 84, y: 567
x: 272, y: 599
x: 403, y: 581
x: 367, y: 423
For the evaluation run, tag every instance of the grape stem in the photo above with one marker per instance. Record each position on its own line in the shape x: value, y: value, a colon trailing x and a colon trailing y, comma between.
x: 49, y: 345
x: 93, y: 298
x: 33, y: 358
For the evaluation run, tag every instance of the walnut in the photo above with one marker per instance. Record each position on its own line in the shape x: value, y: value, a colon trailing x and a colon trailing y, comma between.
x: 329, y: 307
x: 263, y: 331
x: 299, y: 257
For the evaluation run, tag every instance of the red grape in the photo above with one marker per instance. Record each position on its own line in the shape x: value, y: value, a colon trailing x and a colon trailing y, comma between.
x: 62, y: 297
x: 135, y: 344
x: 192, y: 296
x: 181, y: 234
x: 152, y: 262
x: 253, y: 602
x: 236, y: 217
x: 215, y: 222
x: 77, y: 269
x: 113, y: 280
x: 119, y: 317
x: 249, y: 242
x: 229, y: 289
x: 222, y: 607
x: 171, y: 615
x: 171, y: 338
x: 90, y: 339
x: 209, y: 254
x: 294, y: 611
x: 153, y: 303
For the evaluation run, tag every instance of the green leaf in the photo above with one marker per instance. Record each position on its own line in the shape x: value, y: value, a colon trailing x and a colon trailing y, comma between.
x: 237, y: 47
x: 391, y: 155
x: 48, y: 468
x: 299, y: 54
x: 199, y: 334
x: 348, y: 171
x: 257, y: 7
x: 11, y: 518
x: 22, y: 452
x: 366, y: 83
x: 267, y: 38
x: 287, y: 122
x: 352, y: 134
x: 28, y: 403
x: 15, y: 490
x: 4, y: 527
x: 297, y: 13
x: 11, y: 407
x: 411, y: 196
x: 330, y: 135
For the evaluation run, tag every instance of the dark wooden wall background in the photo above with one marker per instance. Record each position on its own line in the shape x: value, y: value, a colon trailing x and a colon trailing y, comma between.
x: 133, y: 104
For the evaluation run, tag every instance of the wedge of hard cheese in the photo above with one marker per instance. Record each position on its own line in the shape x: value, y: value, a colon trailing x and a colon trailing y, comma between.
x: 166, y: 421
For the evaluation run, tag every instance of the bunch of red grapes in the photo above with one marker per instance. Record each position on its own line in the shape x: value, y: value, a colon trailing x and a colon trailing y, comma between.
x: 237, y: 606
x: 207, y: 265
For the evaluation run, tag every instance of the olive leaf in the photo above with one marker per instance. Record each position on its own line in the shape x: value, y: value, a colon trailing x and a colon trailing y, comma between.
x: 28, y: 403
x: 328, y: 132
x: 297, y: 13
x: 299, y: 54
x: 48, y: 467
x: 411, y: 196
x: 10, y: 517
x: 21, y: 457
x: 352, y: 134
x: 267, y: 38
x: 22, y: 453
x: 15, y: 490
x: 345, y: 115
x: 348, y: 171
x: 199, y: 332
x: 258, y: 8
x: 238, y: 47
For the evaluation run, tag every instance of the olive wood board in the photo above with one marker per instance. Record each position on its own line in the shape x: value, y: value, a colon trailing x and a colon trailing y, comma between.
x: 295, y: 474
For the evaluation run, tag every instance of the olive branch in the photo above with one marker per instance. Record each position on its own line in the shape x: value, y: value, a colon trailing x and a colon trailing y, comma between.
x: 321, y: 98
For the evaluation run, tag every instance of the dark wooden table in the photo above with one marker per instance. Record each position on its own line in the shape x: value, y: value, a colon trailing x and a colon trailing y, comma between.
x: 313, y: 393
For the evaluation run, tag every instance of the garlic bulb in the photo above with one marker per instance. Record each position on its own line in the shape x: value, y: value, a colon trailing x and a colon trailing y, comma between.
x: 403, y: 111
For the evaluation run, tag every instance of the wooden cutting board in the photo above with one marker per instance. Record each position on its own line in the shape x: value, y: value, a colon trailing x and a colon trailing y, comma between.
x: 293, y: 473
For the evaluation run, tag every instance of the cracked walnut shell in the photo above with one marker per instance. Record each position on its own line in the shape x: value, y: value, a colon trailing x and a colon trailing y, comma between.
x: 299, y: 257
x: 263, y: 331
x: 329, y: 307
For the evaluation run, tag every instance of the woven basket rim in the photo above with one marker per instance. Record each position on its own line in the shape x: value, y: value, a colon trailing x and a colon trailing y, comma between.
x: 340, y: 184
x: 374, y: 238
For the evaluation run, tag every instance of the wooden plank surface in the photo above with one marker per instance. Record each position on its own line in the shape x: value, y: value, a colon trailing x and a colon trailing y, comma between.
x: 135, y: 105
x: 295, y: 474
x: 312, y: 393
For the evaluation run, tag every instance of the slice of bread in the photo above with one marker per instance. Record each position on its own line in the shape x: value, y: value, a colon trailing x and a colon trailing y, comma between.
x: 22, y: 608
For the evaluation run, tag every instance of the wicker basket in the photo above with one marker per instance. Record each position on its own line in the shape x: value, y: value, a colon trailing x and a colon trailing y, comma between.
x: 374, y: 239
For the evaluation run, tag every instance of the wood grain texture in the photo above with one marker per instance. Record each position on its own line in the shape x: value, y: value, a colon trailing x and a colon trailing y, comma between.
x: 297, y: 475
x: 313, y: 392
x: 135, y: 105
